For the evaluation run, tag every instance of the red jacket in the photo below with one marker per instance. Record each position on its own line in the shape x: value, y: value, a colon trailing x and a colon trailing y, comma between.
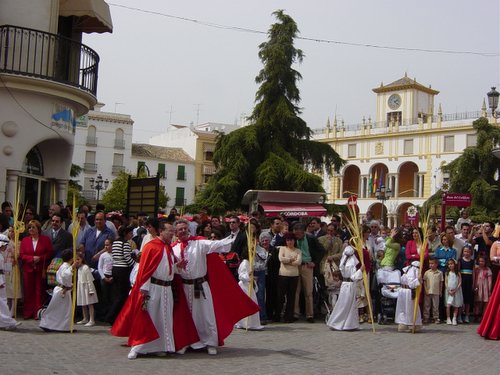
x: 43, y: 250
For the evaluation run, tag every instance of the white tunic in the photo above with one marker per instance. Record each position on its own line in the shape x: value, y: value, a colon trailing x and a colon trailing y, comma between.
x: 252, y: 321
x: 57, y: 316
x: 160, y: 309
x: 202, y: 309
x: 6, y: 320
x: 405, y: 304
x: 85, y: 291
x: 345, y: 313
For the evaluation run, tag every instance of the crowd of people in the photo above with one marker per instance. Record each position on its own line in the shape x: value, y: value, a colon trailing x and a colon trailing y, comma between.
x: 161, y: 268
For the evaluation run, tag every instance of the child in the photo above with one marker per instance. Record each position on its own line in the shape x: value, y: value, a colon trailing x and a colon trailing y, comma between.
x: 410, y: 280
x: 6, y: 320
x: 482, y: 287
x: 85, y: 291
x: 57, y: 316
x: 433, y: 285
x: 332, y: 281
x: 251, y: 322
x: 453, y: 291
x: 105, y: 268
x: 466, y: 267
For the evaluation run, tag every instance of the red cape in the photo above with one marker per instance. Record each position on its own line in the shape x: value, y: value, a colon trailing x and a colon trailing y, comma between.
x: 490, y: 324
x: 231, y: 304
x: 136, y: 324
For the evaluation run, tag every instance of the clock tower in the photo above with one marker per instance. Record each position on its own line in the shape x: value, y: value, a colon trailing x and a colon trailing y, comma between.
x: 404, y: 101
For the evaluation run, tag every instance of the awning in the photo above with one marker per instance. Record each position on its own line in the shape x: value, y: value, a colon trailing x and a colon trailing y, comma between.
x: 93, y: 16
x: 293, y: 209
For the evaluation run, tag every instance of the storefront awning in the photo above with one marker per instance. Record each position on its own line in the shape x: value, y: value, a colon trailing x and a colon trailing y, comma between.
x: 293, y: 209
x: 93, y: 16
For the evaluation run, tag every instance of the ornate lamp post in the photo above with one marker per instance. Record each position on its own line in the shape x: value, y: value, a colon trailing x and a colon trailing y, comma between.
x: 493, y: 102
x: 382, y: 195
x: 98, y: 184
x: 444, y: 188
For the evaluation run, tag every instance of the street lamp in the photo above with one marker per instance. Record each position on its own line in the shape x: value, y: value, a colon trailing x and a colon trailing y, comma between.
x: 444, y: 188
x: 493, y: 101
x: 382, y: 195
x: 98, y: 184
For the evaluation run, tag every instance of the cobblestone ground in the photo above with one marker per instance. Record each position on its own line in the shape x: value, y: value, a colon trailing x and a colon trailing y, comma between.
x: 298, y: 348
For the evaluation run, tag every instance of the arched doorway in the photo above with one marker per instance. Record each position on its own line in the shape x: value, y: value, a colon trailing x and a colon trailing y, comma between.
x: 350, y: 181
x: 33, y: 187
x: 377, y: 178
x: 408, y: 180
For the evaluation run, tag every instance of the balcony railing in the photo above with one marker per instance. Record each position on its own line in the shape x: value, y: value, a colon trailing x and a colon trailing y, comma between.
x: 181, y: 176
x: 91, y: 141
x: 115, y: 169
x: 120, y: 143
x: 89, y: 194
x: 89, y: 167
x: 180, y: 201
x: 35, y: 53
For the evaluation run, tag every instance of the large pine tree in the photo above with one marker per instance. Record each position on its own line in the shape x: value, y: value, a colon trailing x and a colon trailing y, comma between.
x: 275, y: 152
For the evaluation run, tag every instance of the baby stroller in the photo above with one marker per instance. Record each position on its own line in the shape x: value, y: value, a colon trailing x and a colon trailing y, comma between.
x: 320, y: 302
x: 389, y: 283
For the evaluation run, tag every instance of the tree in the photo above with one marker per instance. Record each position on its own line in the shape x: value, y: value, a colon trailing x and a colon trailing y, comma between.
x: 476, y: 172
x: 275, y: 152
x: 74, y: 188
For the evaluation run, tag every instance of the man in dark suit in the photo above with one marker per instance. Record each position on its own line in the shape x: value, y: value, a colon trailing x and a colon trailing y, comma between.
x: 61, y: 240
x: 240, y: 243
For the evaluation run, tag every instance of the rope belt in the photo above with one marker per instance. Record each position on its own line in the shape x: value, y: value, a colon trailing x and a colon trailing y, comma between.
x: 198, y: 287
x: 64, y: 287
x: 347, y: 280
x: 156, y: 281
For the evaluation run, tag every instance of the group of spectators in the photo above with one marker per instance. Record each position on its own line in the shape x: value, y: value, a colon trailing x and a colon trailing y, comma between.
x: 295, y: 264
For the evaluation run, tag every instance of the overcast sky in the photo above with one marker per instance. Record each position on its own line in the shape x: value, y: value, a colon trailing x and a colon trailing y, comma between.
x: 160, y: 69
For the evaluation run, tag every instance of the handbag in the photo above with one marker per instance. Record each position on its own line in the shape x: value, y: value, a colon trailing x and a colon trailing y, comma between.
x: 231, y: 259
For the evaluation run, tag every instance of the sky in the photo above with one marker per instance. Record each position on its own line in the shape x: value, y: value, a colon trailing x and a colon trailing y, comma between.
x: 190, y: 61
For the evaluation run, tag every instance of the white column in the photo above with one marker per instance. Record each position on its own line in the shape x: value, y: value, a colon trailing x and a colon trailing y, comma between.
x: 61, y: 190
x: 342, y: 187
x: 12, y: 183
x: 396, y: 186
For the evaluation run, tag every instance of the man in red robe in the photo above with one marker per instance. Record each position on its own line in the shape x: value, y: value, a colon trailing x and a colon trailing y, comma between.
x: 150, y: 318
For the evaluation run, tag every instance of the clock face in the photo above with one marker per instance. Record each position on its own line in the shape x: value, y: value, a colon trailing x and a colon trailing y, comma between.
x: 394, y: 101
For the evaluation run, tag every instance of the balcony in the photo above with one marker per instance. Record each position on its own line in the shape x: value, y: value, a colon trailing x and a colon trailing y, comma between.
x: 120, y: 143
x: 89, y: 194
x: 181, y: 176
x: 116, y: 169
x: 35, y: 53
x: 180, y: 202
x: 90, y: 167
x: 91, y: 141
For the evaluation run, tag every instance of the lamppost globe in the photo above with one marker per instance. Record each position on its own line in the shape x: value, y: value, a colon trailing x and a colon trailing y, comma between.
x: 98, y: 184
x: 383, y: 194
x: 493, y: 100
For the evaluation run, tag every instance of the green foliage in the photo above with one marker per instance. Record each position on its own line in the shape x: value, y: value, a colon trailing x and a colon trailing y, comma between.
x: 474, y: 172
x: 115, y: 197
x: 74, y: 188
x: 275, y: 152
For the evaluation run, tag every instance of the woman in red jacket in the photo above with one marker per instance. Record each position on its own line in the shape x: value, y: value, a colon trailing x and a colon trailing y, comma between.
x: 412, y: 251
x: 35, y: 253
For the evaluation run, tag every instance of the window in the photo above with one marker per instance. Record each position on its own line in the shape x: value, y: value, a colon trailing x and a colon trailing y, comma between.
x: 117, y: 164
x: 90, y: 164
x: 119, y: 140
x: 351, y: 150
x: 408, y: 146
x: 449, y: 143
x: 179, y: 197
x: 181, y: 172
x: 161, y: 170
x: 209, y: 155
x: 91, y: 136
x: 471, y: 140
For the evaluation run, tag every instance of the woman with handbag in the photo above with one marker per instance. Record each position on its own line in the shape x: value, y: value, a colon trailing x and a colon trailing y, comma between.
x: 35, y: 254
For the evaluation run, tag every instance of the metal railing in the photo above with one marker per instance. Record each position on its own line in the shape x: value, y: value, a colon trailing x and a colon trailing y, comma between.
x: 180, y: 201
x: 181, y: 176
x: 89, y: 194
x: 39, y: 54
x: 89, y: 167
x: 119, y: 143
x: 91, y: 141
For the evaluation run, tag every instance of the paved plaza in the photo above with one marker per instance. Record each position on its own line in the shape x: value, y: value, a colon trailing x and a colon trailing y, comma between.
x: 298, y: 348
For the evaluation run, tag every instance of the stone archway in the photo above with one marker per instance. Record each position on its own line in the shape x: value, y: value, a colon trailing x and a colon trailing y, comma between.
x: 350, y: 181
x: 408, y: 181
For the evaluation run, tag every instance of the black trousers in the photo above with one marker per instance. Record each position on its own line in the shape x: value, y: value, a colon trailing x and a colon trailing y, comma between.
x: 287, y: 286
x: 119, y: 292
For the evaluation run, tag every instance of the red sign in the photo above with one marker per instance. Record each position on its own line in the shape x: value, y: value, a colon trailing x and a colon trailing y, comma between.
x: 457, y: 199
x: 352, y: 200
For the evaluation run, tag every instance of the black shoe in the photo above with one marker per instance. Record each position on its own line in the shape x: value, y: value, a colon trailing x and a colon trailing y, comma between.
x: 310, y: 320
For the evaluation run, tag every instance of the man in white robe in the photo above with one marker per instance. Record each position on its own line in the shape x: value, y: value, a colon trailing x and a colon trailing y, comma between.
x: 191, y: 258
x: 6, y: 320
x: 410, y: 280
x: 158, y: 293
x: 345, y: 316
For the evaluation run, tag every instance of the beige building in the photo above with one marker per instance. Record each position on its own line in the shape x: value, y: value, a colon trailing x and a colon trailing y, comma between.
x: 48, y: 78
x: 400, y: 152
